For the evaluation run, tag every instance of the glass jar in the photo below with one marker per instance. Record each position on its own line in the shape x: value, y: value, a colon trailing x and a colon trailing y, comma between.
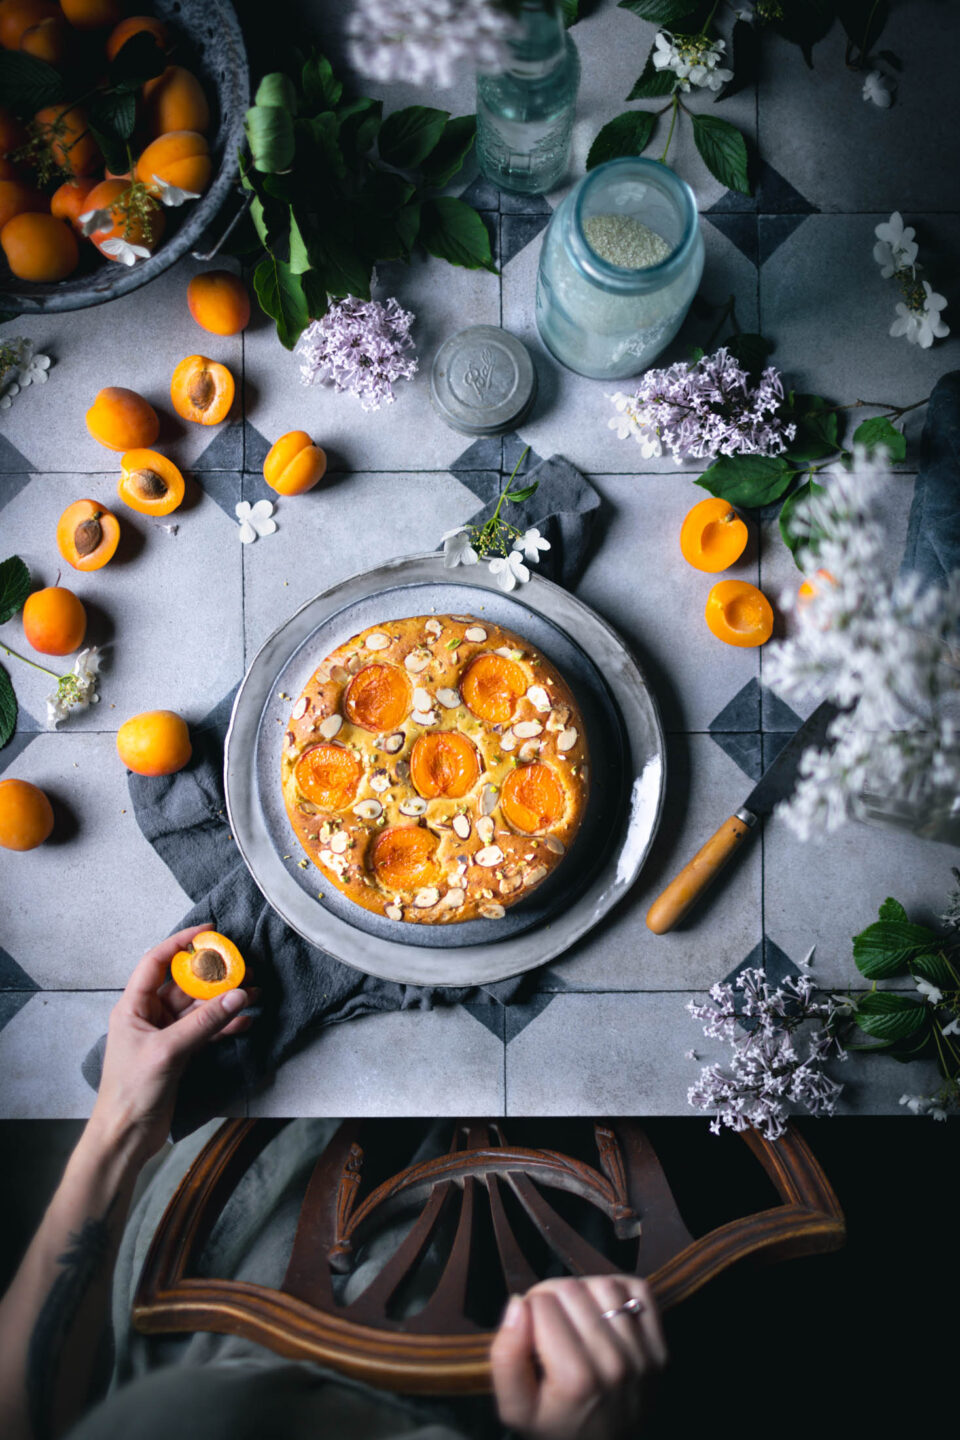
x: 602, y: 319
x: 525, y: 112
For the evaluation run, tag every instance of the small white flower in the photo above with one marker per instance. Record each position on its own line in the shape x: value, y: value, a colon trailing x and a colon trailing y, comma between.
x: 6, y: 399
x: 952, y: 1029
x: 922, y: 327
x: 119, y: 249
x: 932, y: 992
x: 92, y: 220
x: 172, y: 195
x: 457, y: 549
x: 509, y: 570
x: 254, y: 520
x: 75, y: 690
x: 896, y: 247
x: 876, y: 87
x: 531, y: 542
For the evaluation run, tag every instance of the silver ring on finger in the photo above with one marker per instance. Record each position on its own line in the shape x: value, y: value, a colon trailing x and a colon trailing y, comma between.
x: 633, y: 1306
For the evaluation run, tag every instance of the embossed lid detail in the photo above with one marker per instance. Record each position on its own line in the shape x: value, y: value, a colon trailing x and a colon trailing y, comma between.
x: 483, y: 381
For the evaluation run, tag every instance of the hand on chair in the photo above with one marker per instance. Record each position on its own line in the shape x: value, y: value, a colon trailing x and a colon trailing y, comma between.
x: 574, y: 1359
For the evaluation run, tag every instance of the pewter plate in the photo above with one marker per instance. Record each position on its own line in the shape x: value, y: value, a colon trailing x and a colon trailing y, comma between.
x: 627, y: 776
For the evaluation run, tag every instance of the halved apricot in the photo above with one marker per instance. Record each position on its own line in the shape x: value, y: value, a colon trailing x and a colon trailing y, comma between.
x: 532, y: 798
x: 444, y: 762
x: 17, y: 198
x: 208, y: 966
x: 377, y: 698
x: 218, y: 300
x: 491, y: 687
x: 155, y: 742
x: 149, y: 482
x: 202, y: 390
x: 181, y: 158
x: 175, y: 101
x: 87, y: 535
x: 404, y: 857
x: 134, y: 25
x: 712, y: 537
x: 294, y: 464
x: 121, y: 419
x: 739, y: 614
x: 67, y: 133
x: 138, y: 227
x: 54, y: 621
x: 26, y: 815
x: 40, y: 248
x: 91, y: 14
x: 328, y: 775
x: 69, y: 201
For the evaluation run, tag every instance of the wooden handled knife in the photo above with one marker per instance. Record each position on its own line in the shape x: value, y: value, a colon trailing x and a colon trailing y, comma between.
x: 775, y: 784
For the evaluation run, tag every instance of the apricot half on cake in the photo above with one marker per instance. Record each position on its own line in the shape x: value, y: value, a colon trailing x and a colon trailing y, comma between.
x: 87, y: 535
x: 208, y: 966
x: 149, y: 482
x: 435, y: 769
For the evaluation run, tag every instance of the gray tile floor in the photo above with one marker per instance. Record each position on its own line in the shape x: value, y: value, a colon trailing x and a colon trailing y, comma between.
x: 604, y: 1028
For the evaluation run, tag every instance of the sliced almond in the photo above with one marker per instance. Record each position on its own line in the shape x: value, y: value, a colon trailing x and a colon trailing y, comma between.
x: 433, y: 627
x: 453, y: 898
x: 426, y: 897
x: 421, y: 699
x: 553, y: 844
x: 377, y: 641
x: 485, y: 829
x: 534, y: 875
x: 525, y: 729
x: 340, y: 842
x: 489, y: 856
x: 394, y: 742
x: 488, y: 799
x: 413, y: 806
x: 508, y: 741
x: 508, y: 653
x: 393, y: 912
x: 380, y: 781
x: 326, y: 830
x: 461, y: 825
x: 463, y: 619
x: 528, y: 751
x: 476, y: 633
x: 307, y: 807
x: 492, y: 911
x: 509, y: 883
x: 417, y: 660
x: 354, y: 663
x: 567, y: 739
x: 424, y: 717
x: 368, y: 809
x: 558, y: 718
x: 448, y: 698
x: 539, y: 698
x: 336, y: 863
x: 300, y: 708
x: 330, y: 726
x: 339, y: 674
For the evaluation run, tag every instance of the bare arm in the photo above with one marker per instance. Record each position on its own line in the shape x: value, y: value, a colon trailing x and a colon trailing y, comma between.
x: 54, y: 1317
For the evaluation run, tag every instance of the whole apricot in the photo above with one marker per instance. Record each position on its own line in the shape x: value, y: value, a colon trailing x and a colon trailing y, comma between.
x: 39, y: 247
x: 219, y: 302
x: 54, y: 621
x: 175, y: 100
x: 202, y: 390
x: 181, y: 158
x: 46, y: 41
x: 739, y: 614
x: 72, y: 146
x: 154, y: 743
x: 135, y: 25
x: 144, y: 228
x: 26, y: 815
x: 69, y: 201
x: 91, y: 14
x: 19, y: 16
x: 87, y: 535
x: 16, y: 198
x: 294, y: 464
x: 121, y: 419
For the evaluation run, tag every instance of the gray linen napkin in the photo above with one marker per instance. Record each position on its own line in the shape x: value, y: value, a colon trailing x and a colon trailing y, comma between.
x: 184, y: 818
x: 933, y: 534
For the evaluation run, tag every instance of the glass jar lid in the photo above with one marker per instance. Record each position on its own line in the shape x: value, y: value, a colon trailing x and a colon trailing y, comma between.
x: 483, y: 381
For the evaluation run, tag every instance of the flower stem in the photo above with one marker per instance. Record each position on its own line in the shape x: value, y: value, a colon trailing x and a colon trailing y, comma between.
x: 42, y: 668
x: 673, y: 121
x: 895, y: 410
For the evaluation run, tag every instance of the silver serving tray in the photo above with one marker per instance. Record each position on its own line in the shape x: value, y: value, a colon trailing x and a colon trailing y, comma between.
x: 626, y: 794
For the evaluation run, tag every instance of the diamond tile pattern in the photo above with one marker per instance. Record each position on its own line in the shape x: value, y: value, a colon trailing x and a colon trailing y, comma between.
x: 180, y: 613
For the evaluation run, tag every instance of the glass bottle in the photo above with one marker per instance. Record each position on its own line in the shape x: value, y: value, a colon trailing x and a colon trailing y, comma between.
x: 525, y: 113
x: 603, y: 319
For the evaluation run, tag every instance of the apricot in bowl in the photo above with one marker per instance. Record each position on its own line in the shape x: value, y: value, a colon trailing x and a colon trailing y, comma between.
x: 26, y: 815
x: 208, y: 966
x: 54, y: 621
x: 149, y: 482
x: 120, y: 419
x: 87, y: 535
x: 156, y: 742
x: 294, y: 464
x: 202, y: 390
x: 39, y: 247
x: 181, y: 158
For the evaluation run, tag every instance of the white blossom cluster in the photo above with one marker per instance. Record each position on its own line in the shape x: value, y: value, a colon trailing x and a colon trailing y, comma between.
x: 508, y: 567
x: 76, y: 690
x: 919, y: 312
x: 694, y: 59
x: 884, y: 651
x: 21, y: 365
x: 425, y: 41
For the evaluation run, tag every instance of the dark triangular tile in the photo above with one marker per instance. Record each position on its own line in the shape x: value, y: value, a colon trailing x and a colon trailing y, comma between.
x: 481, y: 194
x: 513, y: 447
x: 516, y: 232
x: 224, y: 486
x: 255, y: 488
x: 740, y: 713
x: 732, y: 203
x: 13, y: 461
x: 15, y: 747
x: 484, y: 454
x: 489, y: 1012
x: 225, y: 451
x: 775, y: 194
x: 12, y: 975
x: 773, y: 960
x: 777, y: 714
x: 255, y: 447
x: 773, y: 230
x: 12, y: 484
x: 773, y: 743
x: 11, y: 1003
x: 518, y: 1017
x: 511, y: 204
x: 485, y: 484
x: 741, y: 230
x: 744, y: 750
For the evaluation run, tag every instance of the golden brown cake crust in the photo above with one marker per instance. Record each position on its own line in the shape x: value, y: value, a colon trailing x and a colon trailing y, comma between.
x: 484, y: 758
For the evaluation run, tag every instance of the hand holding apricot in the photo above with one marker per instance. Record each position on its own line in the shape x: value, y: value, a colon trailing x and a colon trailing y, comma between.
x: 208, y: 966
x: 156, y: 742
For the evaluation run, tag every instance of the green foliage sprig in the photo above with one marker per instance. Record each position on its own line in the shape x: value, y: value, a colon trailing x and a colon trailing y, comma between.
x: 335, y: 189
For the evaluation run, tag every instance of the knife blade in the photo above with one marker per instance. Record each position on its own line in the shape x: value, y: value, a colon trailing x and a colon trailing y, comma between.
x: 774, y: 785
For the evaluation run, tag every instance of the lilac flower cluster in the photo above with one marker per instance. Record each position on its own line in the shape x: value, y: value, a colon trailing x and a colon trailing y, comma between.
x: 704, y: 410
x: 426, y: 41
x: 362, y: 346
x: 766, y: 1075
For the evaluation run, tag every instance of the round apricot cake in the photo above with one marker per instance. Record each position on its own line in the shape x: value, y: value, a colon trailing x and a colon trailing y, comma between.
x: 435, y: 768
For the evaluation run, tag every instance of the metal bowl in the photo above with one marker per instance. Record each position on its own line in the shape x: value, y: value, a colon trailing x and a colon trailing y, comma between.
x: 210, y: 44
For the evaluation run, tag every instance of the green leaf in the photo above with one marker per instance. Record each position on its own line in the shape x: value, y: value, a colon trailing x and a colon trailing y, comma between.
x: 115, y: 112
x: 26, y: 83
x: 653, y: 82
x: 743, y: 58
x: 884, y: 948
x: 270, y: 132
x: 570, y: 10
x: 408, y: 136
x: 878, y: 432
x: 723, y: 151
x: 139, y: 60
x: 661, y: 12
x: 14, y: 587
x: 887, y: 1015
x: 933, y: 966
x: 407, y: 224
x: 299, y: 258
x: 797, y: 541
x: 804, y: 22
x: 750, y: 351
x: 747, y: 480
x: 817, y: 433
x: 453, y: 231
x: 322, y: 134
x: 334, y: 251
x: 892, y: 910
x: 451, y: 150
x: 321, y: 88
x: 359, y: 124
x: 282, y: 296
x: 628, y: 134
x: 315, y: 293
x: 518, y: 496
x: 8, y: 708
x: 277, y: 89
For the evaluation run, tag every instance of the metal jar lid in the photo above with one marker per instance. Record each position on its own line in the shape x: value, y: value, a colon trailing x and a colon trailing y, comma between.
x: 483, y: 381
